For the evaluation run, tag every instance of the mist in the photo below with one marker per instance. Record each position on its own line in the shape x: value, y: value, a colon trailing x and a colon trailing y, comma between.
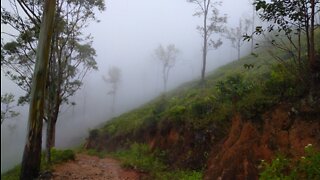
x: 126, y: 37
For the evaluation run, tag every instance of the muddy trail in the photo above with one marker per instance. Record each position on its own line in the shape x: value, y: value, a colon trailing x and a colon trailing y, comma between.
x: 91, y: 167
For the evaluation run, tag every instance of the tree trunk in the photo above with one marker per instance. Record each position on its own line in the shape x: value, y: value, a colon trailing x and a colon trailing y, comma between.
x: 51, y: 132
x: 165, y: 76
x: 31, y: 159
x: 205, y: 44
x: 312, y: 48
x: 239, y: 49
x: 52, y: 119
x: 253, y: 19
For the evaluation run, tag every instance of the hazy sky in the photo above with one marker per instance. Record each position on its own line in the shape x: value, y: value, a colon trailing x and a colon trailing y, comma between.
x: 126, y: 37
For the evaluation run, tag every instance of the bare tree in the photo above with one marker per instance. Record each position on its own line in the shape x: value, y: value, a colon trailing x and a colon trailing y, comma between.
x: 167, y: 56
x: 212, y: 23
x: 113, y: 78
x: 235, y: 35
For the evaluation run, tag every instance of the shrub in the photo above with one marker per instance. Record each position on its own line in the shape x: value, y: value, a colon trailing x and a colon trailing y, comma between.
x: 202, y: 106
x: 283, y: 85
x: 177, y: 110
x: 59, y: 156
x: 307, y: 167
x: 93, y: 134
x: 140, y: 157
x: 254, y: 104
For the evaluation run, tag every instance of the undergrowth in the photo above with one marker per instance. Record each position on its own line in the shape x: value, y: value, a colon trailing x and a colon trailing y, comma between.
x: 57, y: 156
x: 141, y: 158
x: 307, y: 167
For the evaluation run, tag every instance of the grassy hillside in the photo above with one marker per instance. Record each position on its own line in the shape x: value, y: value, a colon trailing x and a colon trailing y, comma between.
x: 175, y: 134
x: 192, y: 104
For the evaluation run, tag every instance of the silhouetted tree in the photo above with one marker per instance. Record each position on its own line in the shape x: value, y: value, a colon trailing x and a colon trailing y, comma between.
x: 167, y: 56
x: 113, y: 78
x: 235, y: 35
x: 212, y: 23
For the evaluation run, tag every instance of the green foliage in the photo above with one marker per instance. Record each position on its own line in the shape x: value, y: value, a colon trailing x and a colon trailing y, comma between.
x: 255, y: 103
x: 176, y: 111
x: 140, y: 157
x: 234, y: 86
x: 178, y: 175
x: 12, y: 174
x: 203, y: 105
x: 282, y: 84
x: 7, y: 111
x: 307, y: 167
x: 58, y: 156
x: 94, y: 133
x: 94, y: 152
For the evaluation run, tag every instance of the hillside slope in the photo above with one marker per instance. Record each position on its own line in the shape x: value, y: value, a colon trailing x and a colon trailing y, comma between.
x: 242, y: 116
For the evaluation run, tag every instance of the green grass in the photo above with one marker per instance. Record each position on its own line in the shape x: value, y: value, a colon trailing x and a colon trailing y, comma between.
x: 57, y: 156
x: 141, y: 158
x: 190, y: 102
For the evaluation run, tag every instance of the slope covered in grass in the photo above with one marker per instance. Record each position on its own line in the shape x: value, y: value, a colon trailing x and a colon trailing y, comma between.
x: 190, y: 101
x: 198, y: 127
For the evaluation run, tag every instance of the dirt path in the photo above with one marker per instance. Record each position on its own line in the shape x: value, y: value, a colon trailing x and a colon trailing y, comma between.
x: 91, y: 167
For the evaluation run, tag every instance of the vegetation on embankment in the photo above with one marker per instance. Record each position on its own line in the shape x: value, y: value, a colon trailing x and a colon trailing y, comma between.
x: 195, y: 125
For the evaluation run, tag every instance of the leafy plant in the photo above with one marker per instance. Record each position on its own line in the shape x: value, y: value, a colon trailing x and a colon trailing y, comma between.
x: 307, y: 167
x: 140, y: 157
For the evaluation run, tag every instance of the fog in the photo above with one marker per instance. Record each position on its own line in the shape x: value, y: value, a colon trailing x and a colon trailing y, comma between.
x: 126, y: 37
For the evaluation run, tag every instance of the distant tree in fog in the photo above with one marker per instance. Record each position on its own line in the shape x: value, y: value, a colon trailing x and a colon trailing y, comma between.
x: 235, y: 35
x: 167, y: 56
x: 7, y: 109
x: 71, y: 52
x: 113, y: 78
x: 212, y: 23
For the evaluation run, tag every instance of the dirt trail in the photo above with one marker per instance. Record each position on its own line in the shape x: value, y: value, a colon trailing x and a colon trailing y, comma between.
x: 91, y: 167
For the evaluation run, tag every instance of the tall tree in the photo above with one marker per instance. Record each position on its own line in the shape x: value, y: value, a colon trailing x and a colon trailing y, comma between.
x: 293, y: 20
x: 235, y: 35
x: 212, y: 23
x: 113, y: 78
x: 30, y: 165
x: 71, y: 55
x: 167, y: 56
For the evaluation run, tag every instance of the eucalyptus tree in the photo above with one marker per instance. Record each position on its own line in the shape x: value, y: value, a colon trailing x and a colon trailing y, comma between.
x: 71, y: 53
x: 235, y: 35
x: 167, y: 56
x: 113, y: 78
x: 30, y: 165
x: 212, y: 23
